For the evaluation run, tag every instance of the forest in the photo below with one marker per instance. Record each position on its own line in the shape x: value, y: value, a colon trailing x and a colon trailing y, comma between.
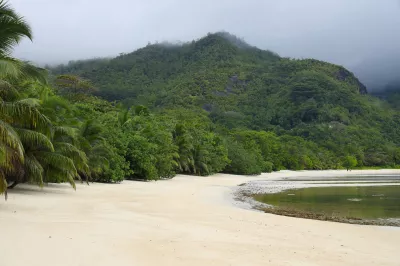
x: 213, y: 105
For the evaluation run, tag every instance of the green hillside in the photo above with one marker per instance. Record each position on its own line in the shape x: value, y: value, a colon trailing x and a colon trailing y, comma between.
x: 240, y: 87
x: 212, y: 105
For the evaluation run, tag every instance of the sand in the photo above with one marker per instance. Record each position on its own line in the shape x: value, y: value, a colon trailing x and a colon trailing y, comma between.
x: 184, y: 221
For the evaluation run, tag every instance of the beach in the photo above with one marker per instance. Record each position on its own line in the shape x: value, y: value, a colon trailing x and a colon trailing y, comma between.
x: 184, y: 221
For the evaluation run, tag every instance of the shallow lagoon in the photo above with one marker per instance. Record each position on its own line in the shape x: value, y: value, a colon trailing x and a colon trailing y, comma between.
x: 355, y: 198
x: 360, y: 202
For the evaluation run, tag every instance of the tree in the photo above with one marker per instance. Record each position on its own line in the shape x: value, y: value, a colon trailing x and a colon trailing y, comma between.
x: 27, y: 153
x: 13, y: 28
x: 71, y: 84
x: 349, y: 162
x: 94, y: 146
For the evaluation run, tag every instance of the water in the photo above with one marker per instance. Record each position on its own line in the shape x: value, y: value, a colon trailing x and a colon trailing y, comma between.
x: 361, y: 202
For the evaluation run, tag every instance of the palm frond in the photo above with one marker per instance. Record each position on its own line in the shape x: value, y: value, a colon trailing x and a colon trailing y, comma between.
x: 33, y: 139
x: 24, y: 115
x: 10, y: 137
x: 78, y: 157
x: 9, y: 67
x: 55, y: 160
x: 6, y: 10
x: 33, y: 170
x: 12, y: 28
x: 65, y: 131
x: 7, y: 91
x: 97, y: 164
x: 59, y: 175
x: 14, y: 70
x: 9, y: 158
x: 100, y: 150
x: 29, y: 71
x: 91, y: 131
x: 33, y: 102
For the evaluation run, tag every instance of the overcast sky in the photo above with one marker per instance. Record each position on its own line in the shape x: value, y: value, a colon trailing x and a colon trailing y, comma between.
x: 340, y: 31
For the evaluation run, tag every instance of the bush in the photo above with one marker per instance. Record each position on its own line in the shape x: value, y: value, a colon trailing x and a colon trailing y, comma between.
x: 268, y: 167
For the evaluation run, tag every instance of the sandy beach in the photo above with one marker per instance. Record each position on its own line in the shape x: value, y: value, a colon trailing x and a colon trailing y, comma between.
x: 184, y: 221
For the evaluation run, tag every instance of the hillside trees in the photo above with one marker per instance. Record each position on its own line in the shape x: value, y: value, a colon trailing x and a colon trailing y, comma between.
x: 208, y: 106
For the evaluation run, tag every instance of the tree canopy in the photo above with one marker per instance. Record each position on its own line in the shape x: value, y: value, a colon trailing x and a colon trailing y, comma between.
x: 212, y: 105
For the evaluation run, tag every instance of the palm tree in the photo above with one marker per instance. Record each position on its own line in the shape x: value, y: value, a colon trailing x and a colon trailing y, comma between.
x: 94, y: 146
x: 13, y: 28
x: 20, y: 124
x: 26, y: 150
x: 184, y: 141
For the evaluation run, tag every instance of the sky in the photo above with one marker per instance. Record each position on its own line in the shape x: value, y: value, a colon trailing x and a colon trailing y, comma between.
x: 345, y: 32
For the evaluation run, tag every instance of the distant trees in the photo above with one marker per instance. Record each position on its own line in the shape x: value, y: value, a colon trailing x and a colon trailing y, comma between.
x: 245, y: 88
x: 214, y: 105
x: 71, y: 84
x: 349, y: 162
x: 314, y: 109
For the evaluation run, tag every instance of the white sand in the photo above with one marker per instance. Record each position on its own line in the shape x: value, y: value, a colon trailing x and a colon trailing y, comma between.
x: 184, y: 221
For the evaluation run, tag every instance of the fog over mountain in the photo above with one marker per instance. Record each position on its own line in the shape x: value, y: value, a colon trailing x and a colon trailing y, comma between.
x: 362, y: 35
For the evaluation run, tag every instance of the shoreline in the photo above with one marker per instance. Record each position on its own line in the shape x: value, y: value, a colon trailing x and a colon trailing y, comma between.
x: 246, y: 191
x: 184, y: 221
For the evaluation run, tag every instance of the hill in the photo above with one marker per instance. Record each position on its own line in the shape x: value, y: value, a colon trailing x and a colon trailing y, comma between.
x: 242, y: 87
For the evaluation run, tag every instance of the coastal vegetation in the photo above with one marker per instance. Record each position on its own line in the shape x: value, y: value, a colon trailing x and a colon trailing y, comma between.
x: 212, y: 105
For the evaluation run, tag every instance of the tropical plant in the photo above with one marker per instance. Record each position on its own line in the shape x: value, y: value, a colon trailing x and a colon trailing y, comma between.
x: 27, y: 153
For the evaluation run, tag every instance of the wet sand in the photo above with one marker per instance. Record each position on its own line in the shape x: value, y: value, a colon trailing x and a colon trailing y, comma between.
x: 184, y: 221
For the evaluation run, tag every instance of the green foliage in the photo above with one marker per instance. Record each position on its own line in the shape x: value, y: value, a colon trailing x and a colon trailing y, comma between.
x: 212, y: 105
x: 349, y: 162
x: 308, y: 113
x: 245, y: 158
x: 70, y: 84
x: 201, y: 150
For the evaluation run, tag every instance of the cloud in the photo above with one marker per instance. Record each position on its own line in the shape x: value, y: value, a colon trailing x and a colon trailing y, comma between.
x: 340, y: 31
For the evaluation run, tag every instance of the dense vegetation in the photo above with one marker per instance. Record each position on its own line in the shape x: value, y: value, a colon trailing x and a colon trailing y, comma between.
x: 272, y: 112
x: 212, y: 105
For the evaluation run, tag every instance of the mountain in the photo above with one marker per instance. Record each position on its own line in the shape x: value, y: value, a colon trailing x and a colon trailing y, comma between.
x: 241, y: 86
x: 222, y: 73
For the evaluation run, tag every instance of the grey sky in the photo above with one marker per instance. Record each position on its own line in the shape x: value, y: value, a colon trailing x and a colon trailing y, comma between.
x: 340, y: 31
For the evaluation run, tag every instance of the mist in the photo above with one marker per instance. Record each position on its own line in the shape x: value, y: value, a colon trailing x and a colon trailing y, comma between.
x: 358, y: 34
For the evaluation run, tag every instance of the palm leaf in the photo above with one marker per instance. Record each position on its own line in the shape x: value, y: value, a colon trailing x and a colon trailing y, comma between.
x: 78, y: 157
x: 26, y: 116
x: 9, y: 67
x: 64, y: 132
x: 56, y: 160
x: 9, y: 157
x: 15, y: 70
x: 12, y: 28
x: 33, y: 170
x: 33, y: 102
x: 33, y: 139
x: 7, y: 91
x: 10, y: 137
x: 60, y: 176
